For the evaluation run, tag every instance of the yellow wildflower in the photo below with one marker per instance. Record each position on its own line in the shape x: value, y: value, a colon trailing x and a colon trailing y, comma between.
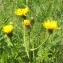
x: 21, y: 12
x: 26, y: 22
x: 25, y: 11
x: 8, y: 29
x: 50, y: 25
x: 18, y: 12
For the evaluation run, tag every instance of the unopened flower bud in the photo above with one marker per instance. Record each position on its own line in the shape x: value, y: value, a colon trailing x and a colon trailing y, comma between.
x: 32, y: 20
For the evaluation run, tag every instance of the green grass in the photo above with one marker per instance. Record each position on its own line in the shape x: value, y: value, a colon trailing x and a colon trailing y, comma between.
x: 12, y: 49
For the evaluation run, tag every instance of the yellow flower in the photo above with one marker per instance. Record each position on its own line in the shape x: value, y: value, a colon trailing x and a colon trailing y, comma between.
x: 21, y: 12
x: 51, y: 25
x: 26, y: 22
x: 8, y: 29
x: 25, y: 11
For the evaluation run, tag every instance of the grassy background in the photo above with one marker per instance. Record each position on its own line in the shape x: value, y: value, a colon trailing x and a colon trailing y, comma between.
x: 41, y: 10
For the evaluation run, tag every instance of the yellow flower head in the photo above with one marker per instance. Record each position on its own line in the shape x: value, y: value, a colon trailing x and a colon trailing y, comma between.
x: 50, y: 25
x: 26, y: 22
x: 21, y: 12
x: 8, y: 29
x: 25, y: 11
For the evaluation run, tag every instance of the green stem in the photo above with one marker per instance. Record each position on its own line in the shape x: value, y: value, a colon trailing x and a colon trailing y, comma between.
x: 39, y: 45
x: 61, y: 24
x: 10, y: 43
x: 26, y: 2
x: 25, y: 43
x: 33, y: 52
x: 34, y: 58
x: 30, y: 58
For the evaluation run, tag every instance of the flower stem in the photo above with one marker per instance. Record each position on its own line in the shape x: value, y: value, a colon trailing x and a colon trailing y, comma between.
x: 26, y: 2
x: 39, y: 45
x: 30, y: 57
x: 33, y: 52
x: 25, y: 43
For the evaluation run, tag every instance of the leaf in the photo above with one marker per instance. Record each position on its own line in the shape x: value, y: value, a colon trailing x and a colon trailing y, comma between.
x: 8, y: 41
x: 4, y: 57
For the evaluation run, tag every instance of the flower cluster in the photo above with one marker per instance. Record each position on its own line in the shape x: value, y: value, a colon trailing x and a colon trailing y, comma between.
x: 21, y: 12
x: 8, y: 29
x: 50, y: 25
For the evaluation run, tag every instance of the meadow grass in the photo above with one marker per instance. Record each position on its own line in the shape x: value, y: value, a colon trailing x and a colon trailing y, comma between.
x: 35, y: 46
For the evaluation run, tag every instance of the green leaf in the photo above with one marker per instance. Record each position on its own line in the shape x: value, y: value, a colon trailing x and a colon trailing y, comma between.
x: 4, y: 57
